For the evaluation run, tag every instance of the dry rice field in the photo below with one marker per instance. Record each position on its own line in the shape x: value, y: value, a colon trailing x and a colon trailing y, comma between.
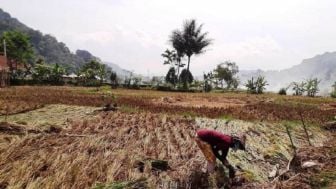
x: 59, y: 137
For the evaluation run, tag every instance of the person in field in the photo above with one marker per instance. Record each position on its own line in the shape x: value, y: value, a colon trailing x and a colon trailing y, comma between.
x: 216, y: 145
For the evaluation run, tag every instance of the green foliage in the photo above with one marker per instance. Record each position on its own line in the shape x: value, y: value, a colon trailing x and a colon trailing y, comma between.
x: 251, y: 86
x: 170, y: 57
x: 333, y: 93
x: 19, y: 49
x: 114, y: 79
x: 173, y: 59
x: 56, y: 73
x: 101, y: 73
x: 190, y: 41
x: 299, y: 88
x: 207, y: 82
x: 18, y: 46
x: 225, y: 72
x: 282, y: 91
x: 171, y: 76
x: 186, y: 78
x: 45, y: 46
x: 92, y: 71
x: 135, y: 82
x: 261, y: 84
x: 323, y: 179
x: 156, y: 81
x: 41, y: 72
x: 256, y: 86
x: 312, y: 87
x: 44, y: 73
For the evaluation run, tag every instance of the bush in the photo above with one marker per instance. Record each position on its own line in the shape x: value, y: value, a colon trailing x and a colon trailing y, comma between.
x: 163, y: 88
x: 282, y: 91
x: 299, y: 88
x: 333, y: 94
x: 256, y: 86
x: 312, y: 87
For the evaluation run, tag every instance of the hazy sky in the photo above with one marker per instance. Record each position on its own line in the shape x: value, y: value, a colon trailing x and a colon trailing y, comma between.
x: 264, y: 34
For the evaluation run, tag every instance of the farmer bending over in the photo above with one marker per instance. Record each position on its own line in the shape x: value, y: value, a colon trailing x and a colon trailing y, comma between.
x: 216, y: 145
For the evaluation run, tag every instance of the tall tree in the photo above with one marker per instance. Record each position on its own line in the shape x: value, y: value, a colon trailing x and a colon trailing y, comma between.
x: 94, y: 69
x: 18, y: 48
x: 177, y: 43
x: 227, y: 72
x: 101, y: 72
x: 190, y: 41
x: 173, y: 58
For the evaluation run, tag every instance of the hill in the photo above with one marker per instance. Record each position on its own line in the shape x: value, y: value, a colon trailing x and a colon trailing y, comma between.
x: 321, y: 66
x: 47, y: 46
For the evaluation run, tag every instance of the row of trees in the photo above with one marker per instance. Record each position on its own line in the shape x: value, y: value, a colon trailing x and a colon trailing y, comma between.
x: 308, y: 87
x: 20, y: 51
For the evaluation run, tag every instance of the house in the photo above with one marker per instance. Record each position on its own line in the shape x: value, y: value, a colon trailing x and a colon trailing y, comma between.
x: 71, y: 78
x: 4, y: 71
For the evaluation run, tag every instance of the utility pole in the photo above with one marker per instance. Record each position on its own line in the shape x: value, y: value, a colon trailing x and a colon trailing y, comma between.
x: 4, y: 46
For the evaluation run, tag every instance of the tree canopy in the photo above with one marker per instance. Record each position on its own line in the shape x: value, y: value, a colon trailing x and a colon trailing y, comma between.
x: 190, y: 40
x: 227, y: 72
x: 18, y: 47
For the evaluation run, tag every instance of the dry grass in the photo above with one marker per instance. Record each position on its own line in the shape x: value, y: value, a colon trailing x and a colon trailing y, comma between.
x: 51, y: 115
x: 238, y: 105
x: 107, y: 148
x: 101, y: 150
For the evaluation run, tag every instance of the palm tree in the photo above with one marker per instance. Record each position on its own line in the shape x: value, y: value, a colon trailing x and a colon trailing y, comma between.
x: 169, y: 56
x: 190, y: 40
x: 177, y: 42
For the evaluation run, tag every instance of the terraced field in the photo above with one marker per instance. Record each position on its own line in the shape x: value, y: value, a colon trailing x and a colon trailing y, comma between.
x: 59, y: 145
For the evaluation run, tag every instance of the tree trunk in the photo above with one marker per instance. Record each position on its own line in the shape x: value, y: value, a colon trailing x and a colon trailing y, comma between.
x: 178, y: 71
x: 188, y: 63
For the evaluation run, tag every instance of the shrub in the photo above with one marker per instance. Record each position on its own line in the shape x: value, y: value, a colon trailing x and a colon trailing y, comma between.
x: 299, y: 88
x: 333, y: 93
x: 282, y: 91
x: 256, y: 86
x: 312, y: 87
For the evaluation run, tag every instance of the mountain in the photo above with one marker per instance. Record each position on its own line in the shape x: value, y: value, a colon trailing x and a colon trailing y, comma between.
x: 321, y: 66
x: 121, y: 73
x: 51, y: 50
x: 45, y: 46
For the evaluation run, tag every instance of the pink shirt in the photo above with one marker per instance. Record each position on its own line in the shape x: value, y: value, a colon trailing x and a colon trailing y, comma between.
x: 215, y: 138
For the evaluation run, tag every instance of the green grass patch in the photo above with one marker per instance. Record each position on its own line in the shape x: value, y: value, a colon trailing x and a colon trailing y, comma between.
x: 129, y: 109
x: 323, y: 179
x: 226, y: 117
